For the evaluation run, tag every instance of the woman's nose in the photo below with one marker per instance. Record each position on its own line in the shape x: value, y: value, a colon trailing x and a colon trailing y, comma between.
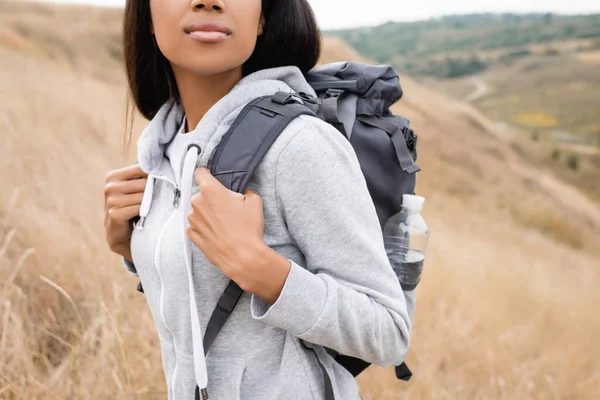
x: 208, y: 5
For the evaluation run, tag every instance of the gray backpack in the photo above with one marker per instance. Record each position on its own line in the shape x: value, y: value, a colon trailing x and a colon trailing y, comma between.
x: 356, y: 99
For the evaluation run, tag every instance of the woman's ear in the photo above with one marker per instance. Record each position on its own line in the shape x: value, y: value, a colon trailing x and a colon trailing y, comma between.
x: 261, y: 25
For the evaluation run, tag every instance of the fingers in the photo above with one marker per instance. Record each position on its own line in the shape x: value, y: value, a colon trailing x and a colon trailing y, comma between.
x: 124, y: 214
x: 252, y: 197
x: 211, y: 189
x: 124, y: 200
x: 204, y: 178
x: 194, y: 236
x: 115, y: 191
x: 125, y: 187
x: 125, y: 174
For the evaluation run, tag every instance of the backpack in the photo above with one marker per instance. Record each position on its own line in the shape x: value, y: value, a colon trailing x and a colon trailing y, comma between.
x: 353, y: 97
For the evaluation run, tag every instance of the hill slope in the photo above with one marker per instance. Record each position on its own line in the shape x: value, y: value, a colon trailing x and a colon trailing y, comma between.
x: 536, y: 75
x: 472, y: 33
x: 503, y: 308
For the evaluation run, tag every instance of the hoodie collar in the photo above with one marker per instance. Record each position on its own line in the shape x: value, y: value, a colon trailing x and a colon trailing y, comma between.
x: 165, y: 124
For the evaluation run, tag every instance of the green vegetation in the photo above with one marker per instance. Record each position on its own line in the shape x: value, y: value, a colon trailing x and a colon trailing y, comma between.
x: 553, y: 101
x: 536, y: 74
x: 452, y: 46
x: 449, y: 67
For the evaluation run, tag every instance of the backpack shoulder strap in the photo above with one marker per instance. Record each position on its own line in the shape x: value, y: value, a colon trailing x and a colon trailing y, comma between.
x: 233, y: 162
x: 398, y: 137
x: 251, y: 136
x: 355, y: 366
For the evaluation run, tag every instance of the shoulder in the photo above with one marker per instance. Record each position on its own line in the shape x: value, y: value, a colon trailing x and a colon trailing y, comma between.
x: 309, y: 139
x: 310, y: 149
x: 315, y: 130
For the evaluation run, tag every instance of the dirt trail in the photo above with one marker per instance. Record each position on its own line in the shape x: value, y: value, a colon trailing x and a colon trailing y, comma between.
x: 480, y: 91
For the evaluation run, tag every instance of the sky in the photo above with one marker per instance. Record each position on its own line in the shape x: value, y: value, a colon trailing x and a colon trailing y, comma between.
x: 333, y: 14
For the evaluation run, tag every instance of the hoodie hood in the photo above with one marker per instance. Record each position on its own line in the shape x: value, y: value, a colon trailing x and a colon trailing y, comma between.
x: 203, y: 140
x: 206, y: 136
x: 161, y: 129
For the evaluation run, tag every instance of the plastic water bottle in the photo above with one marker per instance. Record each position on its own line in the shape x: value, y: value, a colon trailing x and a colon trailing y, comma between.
x: 406, y: 235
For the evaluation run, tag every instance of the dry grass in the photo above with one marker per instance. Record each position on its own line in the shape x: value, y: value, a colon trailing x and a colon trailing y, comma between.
x: 591, y: 57
x: 504, y: 310
x: 543, y: 101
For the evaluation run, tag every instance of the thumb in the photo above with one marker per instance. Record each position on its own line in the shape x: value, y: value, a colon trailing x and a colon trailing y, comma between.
x: 252, y: 197
x: 203, y: 177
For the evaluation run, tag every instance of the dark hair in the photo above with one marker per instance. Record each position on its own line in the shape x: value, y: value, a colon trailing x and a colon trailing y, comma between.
x: 290, y: 37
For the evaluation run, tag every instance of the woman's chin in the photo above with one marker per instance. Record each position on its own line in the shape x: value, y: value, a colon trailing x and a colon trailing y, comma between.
x: 214, y: 70
x: 212, y: 66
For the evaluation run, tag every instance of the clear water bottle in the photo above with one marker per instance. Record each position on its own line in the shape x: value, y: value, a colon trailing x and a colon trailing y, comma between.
x: 406, y: 235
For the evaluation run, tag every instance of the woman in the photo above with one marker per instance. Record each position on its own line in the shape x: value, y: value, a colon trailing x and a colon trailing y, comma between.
x: 304, y: 241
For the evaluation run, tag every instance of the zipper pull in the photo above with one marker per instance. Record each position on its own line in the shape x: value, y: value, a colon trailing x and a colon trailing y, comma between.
x: 176, y: 199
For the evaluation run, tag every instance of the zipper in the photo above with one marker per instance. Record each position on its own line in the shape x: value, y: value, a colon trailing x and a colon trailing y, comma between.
x: 164, y: 178
x: 161, y: 296
x: 157, y: 267
x: 176, y: 201
x: 176, y: 197
x: 161, y: 300
x: 176, y: 191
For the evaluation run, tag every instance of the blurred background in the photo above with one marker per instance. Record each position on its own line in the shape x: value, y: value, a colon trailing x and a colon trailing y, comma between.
x: 505, y: 99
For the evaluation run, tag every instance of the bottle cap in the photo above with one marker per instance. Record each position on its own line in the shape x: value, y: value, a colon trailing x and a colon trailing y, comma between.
x: 413, y: 203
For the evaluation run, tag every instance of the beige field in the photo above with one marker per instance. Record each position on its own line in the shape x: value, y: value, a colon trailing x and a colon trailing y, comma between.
x: 548, y: 104
x: 590, y: 57
x: 507, y: 308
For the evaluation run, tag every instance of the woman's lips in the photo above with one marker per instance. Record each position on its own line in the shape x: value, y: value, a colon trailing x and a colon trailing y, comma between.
x: 208, y: 36
x: 209, y: 32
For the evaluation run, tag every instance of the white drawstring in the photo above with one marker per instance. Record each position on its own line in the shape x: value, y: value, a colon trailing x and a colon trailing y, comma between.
x: 146, y: 202
x: 186, y: 194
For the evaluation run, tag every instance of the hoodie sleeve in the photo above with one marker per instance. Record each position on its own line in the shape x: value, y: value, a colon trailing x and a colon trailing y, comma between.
x: 347, y: 296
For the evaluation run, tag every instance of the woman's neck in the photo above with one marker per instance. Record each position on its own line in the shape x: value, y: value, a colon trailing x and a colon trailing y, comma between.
x: 199, y: 93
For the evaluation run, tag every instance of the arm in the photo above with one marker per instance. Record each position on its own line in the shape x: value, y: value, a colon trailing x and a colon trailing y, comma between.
x: 347, y: 296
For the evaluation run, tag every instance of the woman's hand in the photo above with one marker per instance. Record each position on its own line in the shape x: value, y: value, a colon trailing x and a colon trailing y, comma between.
x: 123, y: 195
x: 228, y: 227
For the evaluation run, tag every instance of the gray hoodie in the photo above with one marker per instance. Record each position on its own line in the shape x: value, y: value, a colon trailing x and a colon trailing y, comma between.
x: 341, y: 292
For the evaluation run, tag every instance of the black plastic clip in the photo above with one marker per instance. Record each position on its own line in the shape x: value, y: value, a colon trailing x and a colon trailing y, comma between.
x: 284, y: 98
x: 333, y: 93
x: 308, y: 98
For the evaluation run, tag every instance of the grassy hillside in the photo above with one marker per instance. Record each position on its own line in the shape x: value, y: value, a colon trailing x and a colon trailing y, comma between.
x: 413, y: 46
x: 547, y: 103
x: 86, y: 42
x: 534, y: 75
x: 503, y: 310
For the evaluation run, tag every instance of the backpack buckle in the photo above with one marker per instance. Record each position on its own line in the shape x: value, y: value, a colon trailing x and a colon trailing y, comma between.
x: 308, y: 98
x: 333, y: 93
x: 284, y: 98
